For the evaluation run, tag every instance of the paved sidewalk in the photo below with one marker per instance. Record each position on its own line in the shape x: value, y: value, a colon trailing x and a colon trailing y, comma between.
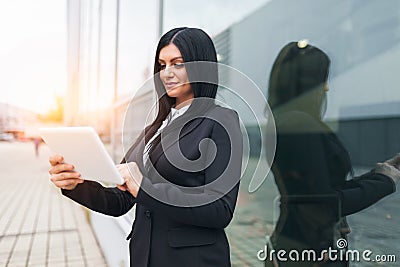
x: 38, y: 226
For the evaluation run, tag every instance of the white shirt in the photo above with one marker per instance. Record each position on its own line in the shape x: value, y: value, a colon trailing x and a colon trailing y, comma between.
x: 175, y: 113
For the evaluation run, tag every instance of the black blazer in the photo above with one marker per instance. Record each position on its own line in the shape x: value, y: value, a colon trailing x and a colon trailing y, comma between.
x: 310, y: 169
x: 167, y: 235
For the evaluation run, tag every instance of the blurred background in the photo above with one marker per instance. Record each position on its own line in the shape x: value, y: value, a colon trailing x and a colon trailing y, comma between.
x: 79, y: 62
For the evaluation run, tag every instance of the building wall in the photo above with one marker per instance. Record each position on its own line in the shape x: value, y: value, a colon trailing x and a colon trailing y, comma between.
x: 362, y: 39
x: 370, y: 140
x: 71, y: 107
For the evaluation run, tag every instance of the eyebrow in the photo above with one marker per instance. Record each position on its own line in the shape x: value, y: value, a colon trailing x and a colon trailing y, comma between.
x: 175, y: 58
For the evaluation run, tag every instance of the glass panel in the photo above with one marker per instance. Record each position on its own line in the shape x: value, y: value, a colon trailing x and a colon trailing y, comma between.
x: 137, y: 44
x: 211, y: 15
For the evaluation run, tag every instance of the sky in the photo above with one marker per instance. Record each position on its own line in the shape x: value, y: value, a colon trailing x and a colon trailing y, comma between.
x: 33, y: 43
x: 32, y: 53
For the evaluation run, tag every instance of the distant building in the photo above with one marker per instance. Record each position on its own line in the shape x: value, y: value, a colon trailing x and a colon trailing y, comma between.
x: 16, y: 120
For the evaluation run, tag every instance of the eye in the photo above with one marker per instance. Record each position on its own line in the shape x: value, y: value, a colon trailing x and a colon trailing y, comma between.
x: 179, y: 65
x: 162, y: 67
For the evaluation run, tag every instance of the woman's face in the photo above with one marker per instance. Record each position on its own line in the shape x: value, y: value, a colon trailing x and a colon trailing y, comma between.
x: 173, y: 74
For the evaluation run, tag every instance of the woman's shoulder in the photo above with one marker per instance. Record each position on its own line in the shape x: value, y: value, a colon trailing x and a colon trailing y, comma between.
x: 221, y: 111
x: 300, y: 122
x: 223, y: 116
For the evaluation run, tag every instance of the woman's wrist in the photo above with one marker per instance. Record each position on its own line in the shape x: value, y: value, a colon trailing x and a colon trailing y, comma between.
x: 388, y: 170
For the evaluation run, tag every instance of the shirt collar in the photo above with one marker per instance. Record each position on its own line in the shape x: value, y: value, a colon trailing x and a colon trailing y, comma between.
x: 178, y: 112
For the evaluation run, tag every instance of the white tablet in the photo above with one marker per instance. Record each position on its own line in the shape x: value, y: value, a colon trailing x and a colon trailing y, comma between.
x: 82, y: 147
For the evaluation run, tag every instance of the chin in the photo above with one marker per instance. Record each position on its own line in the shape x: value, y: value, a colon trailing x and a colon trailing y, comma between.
x: 171, y: 94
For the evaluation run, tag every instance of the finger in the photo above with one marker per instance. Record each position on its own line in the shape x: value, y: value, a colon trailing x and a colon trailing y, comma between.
x: 137, y: 174
x: 69, y: 183
x: 122, y: 187
x: 132, y: 182
x: 65, y: 176
x: 55, y: 159
x: 132, y: 165
x: 65, y: 182
x: 121, y: 167
x: 122, y: 183
x: 396, y: 160
x: 393, y: 160
x: 65, y: 167
x: 71, y: 187
x: 132, y: 186
x: 128, y: 184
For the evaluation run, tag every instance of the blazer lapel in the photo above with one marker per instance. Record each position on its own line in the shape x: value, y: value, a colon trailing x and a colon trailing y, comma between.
x: 139, y: 156
x: 168, y: 139
x: 135, y: 153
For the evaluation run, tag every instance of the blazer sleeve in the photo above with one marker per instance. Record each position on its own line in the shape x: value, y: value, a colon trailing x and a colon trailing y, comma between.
x: 109, y: 201
x: 354, y: 195
x: 365, y: 190
x: 226, y: 167
x: 304, y: 157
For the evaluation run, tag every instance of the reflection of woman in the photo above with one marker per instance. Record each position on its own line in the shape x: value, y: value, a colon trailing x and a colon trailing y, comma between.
x: 174, y: 226
x: 311, y: 164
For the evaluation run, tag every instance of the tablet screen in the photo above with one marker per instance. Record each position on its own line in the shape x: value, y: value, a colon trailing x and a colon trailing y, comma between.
x: 82, y: 147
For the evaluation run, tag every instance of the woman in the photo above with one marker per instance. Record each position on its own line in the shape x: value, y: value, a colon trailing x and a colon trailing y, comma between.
x: 174, y: 225
x: 311, y: 164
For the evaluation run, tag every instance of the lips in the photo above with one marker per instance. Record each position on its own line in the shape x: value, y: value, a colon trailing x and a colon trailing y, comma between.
x: 170, y: 85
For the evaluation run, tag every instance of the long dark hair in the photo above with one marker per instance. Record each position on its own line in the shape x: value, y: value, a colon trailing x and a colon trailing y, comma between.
x: 297, y: 83
x: 194, y: 45
x: 297, y: 79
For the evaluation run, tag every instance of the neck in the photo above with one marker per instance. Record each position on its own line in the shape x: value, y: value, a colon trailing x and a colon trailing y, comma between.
x: 180, y: 103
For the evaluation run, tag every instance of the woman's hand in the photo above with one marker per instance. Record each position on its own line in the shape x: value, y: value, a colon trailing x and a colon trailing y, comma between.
x: 388, y: 170
x: 132, y: 176
x: 395, y: 161
x: 62, y: 174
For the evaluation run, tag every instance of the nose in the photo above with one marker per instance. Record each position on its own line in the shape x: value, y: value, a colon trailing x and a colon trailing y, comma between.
x: 168, y: 72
